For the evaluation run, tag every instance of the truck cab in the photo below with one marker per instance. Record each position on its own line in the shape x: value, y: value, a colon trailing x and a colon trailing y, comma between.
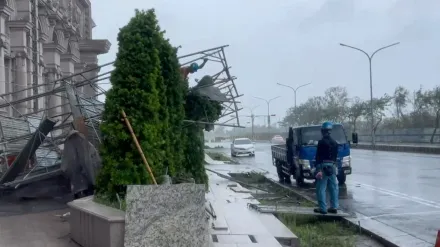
x: 297, y: 156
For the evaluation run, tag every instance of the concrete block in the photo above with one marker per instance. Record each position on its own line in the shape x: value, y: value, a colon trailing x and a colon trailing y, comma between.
x: 93, y: 224
x: 166, y: 215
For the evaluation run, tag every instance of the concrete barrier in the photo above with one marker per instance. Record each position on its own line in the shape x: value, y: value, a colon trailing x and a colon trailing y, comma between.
x: 93, y: 224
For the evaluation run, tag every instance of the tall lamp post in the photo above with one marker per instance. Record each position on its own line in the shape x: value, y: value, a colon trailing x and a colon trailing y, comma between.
x: 294, y: 89
x: 370, y: 58
x: 268, y: 108
x: 252, y: 120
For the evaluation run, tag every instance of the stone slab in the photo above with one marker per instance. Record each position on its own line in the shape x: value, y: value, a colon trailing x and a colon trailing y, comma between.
x: 277, y: 229
x: 240, y: 189
x: 166, y: 215
x: 234, y: 239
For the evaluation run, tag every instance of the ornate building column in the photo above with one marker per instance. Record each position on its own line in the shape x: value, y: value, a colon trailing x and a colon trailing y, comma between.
x: 79, y: 67
x: 20, y: 82
x: 89, y: 50
x: 52, y: 59
x: 5, y: 12
x: 68, y: 62
x: 53, y: 101
x: 19, y: 30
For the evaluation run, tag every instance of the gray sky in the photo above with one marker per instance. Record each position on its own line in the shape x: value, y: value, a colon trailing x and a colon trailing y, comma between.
x: 297, y: 41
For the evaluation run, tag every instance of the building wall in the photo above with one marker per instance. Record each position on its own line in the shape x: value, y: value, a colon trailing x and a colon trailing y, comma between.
x: 65, y: 47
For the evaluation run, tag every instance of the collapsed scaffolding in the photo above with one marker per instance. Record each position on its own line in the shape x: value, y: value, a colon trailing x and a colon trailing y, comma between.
x: 32, y: 140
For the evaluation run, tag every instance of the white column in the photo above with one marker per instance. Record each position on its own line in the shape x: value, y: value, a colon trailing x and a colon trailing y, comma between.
x: 20, y: 83
x: 53, y: 101
x: 2, y: 77
x: 79, y: 67
x: 68, y: 69
x: 90, y: 91
x: 29, y: 84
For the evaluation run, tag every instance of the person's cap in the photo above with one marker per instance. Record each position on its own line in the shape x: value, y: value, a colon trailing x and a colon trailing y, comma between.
x: 194, y: 66
x: 327, y: 126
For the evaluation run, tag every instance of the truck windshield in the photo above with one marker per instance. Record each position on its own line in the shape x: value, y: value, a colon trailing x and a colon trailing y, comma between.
x: 241, y: 142
x: 311, y: 135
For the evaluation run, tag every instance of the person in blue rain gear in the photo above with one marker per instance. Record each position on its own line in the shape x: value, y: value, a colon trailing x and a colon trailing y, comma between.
x: 326, y: 156
x: 192, y: 68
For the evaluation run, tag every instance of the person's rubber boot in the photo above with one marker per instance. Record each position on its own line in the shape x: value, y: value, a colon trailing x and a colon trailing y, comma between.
x: 319, y: 211
x: 332, y: 210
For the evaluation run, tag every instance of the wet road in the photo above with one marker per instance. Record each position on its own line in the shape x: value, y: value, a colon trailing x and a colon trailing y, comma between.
x: 401, y: 190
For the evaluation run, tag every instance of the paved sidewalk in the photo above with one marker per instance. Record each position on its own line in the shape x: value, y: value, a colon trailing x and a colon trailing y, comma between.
x: 35, y: 230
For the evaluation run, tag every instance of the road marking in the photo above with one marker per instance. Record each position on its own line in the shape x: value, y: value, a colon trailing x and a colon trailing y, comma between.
x: 400, y: 195
x: 401, y: 214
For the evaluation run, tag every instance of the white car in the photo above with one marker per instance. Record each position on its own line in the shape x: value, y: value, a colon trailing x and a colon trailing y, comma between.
x: 277, y: 139
x: 242, y: 146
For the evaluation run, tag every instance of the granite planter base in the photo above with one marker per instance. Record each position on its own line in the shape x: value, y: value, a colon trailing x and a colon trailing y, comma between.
x: 93, y: 224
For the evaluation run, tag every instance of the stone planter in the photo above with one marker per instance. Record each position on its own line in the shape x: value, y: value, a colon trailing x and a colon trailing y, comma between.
x: 93, y: 224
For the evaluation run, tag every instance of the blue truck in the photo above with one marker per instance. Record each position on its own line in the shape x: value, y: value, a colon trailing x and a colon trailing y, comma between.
x: 297, y: 157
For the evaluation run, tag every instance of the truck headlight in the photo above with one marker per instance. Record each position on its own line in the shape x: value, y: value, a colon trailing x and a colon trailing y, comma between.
x: 346, y: 161
x: 305, y: 164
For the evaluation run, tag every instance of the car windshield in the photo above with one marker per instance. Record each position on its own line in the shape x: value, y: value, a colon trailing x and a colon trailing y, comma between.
x: 241, y: 142
x: 311, y: 135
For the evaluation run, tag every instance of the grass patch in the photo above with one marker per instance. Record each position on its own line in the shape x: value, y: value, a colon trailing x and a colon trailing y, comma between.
x: 219, y: 156
x: 315, y: 232
x: 216, y: 147
x: 113, y: 204
x: 311, y: 230
x: 278, y: 194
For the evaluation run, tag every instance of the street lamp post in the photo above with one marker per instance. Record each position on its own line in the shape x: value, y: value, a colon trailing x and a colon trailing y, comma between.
x: 294, y: 89
x: 268, y: 108
x: 370, y: 58
x: 252, y: 120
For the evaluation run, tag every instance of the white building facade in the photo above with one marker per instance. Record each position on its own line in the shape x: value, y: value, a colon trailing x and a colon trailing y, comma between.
x: 60, y: 45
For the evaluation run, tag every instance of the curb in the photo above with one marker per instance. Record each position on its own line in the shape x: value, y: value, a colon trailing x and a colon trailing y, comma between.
x: 373, y: 235
x: 401, y: 148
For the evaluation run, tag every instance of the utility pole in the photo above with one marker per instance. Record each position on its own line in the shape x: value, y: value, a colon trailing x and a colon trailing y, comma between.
x: 370, y: 58
x: 252, y: 116
x: 268, y: 109
x: 294, y: 89
x: 35, y: 50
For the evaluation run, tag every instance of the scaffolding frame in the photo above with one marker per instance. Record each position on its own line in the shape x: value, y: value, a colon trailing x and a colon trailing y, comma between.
x: 86, y: 108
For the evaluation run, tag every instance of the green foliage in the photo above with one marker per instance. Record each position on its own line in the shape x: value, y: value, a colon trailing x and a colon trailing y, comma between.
x: 146, y: 84
x: 198, y: 108
x: 174, y: 109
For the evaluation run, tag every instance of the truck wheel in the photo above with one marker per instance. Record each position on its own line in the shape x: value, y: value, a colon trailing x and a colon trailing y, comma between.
x: 299, y: 177
x: 279, y: 171
x: 287, y: 179
x: 341, y: 178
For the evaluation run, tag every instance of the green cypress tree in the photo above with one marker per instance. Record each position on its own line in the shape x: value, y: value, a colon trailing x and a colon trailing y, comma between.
x: 175, y: 94
x: 138, y: 88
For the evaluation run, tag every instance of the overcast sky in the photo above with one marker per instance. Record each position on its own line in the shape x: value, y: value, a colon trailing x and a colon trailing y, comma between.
x: 297, y: 41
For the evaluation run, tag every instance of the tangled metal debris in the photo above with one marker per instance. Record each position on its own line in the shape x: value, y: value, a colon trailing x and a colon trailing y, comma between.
x: 32, y: 142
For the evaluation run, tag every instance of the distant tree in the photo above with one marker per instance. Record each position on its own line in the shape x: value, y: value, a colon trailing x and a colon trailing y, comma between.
x: 400, y: 101
x: 432, y: 99
x: 379, y: 107
x: 336, y: 104
x: 356, y: 110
